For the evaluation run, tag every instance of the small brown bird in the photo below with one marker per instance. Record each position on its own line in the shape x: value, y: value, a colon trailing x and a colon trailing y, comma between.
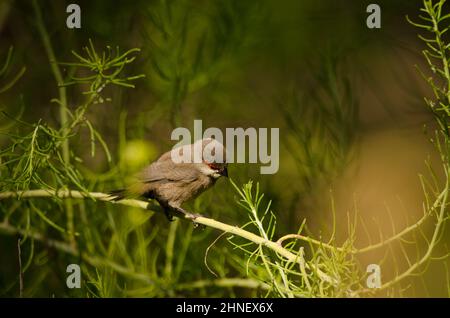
x: 172, y: 183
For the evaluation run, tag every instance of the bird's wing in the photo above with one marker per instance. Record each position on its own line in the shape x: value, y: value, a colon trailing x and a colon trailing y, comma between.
x: 168, y: 171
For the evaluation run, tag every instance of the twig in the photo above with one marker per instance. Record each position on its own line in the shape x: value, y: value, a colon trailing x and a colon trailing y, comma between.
x: 225, y: 282
x: 220, y: 282
x: 289, y: 256
x: 436, y: 204
x: 19, y: 252
x: 427, y: 255
x: 95, y: 261
x: 307, y: 239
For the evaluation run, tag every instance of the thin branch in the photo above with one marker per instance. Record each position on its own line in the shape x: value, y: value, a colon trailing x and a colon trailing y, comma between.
x: 371, y: 247
x: 95, y: 261
x: 289, y: 256
x: 308, y: 239
x: 225, y: 283
x: 431, y: 245
x: 19, y: 254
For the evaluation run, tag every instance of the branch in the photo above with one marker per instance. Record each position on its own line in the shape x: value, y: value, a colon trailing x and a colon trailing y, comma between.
x: 19, y: 255
x: 431, y: 245
x: 225, y: 283
x: 437, y: 203
x: 95, y: 261
x: 235, y: 230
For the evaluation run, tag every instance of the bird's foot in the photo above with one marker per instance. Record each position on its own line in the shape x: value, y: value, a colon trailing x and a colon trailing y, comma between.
x: 168, y: 215
x: 188, y: 215
x: 193, y: 217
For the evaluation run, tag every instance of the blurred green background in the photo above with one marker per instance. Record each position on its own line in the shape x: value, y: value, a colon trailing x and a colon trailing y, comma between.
x: 347, y: 99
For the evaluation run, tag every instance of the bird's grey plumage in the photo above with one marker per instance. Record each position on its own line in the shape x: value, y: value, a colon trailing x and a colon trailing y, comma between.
x: 171, y: 183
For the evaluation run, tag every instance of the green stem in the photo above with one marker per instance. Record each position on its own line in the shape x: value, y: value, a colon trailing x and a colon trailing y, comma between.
x: 201, y: 284
x: 225, y: 282
x: 442, y: 50
x: 437, y: 203
x: 62, y: 108
x: 431, y: 245
x: 235, y: 230
x: 170, y: 249
x: 66, y: 248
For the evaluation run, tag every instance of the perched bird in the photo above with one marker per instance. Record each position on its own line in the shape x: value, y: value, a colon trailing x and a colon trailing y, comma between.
x: 172, y: 183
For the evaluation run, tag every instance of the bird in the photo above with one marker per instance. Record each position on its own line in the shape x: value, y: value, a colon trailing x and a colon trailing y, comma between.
x: 172, y: 183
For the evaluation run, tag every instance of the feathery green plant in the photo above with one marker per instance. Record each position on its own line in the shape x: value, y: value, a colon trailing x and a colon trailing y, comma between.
x: 4, y: 72
x: 322, y: 136
x: 124, y: 251
x: 191, y: 48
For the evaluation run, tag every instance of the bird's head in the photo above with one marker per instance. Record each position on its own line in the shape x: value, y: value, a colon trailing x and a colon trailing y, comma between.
x: 214, y: 158
x: 216, y: 170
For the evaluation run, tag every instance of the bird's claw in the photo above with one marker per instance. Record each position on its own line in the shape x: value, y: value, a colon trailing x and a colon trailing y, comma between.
x: 188, y: 215
x: 193, y: 217
x: 169, y: 216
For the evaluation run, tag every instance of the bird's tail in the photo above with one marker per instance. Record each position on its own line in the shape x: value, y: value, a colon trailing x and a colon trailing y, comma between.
x: 132, y: 192
x: 117, y: 195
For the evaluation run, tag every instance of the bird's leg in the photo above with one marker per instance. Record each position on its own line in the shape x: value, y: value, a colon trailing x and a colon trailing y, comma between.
x: 169, y: 215
x: 188, y: 215
x: 191, y: 216
x: 166, y: 208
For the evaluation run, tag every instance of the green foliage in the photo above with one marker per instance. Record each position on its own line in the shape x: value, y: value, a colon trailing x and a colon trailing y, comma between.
x: 106, y: 68
x: 36, y: 159
x: 6, y: 84
x: 191, y: 48
x: 4, y: 73
x: 435, y: 22
x: 323, y: 136
x: 127, y: 251
x: 325, y: 272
